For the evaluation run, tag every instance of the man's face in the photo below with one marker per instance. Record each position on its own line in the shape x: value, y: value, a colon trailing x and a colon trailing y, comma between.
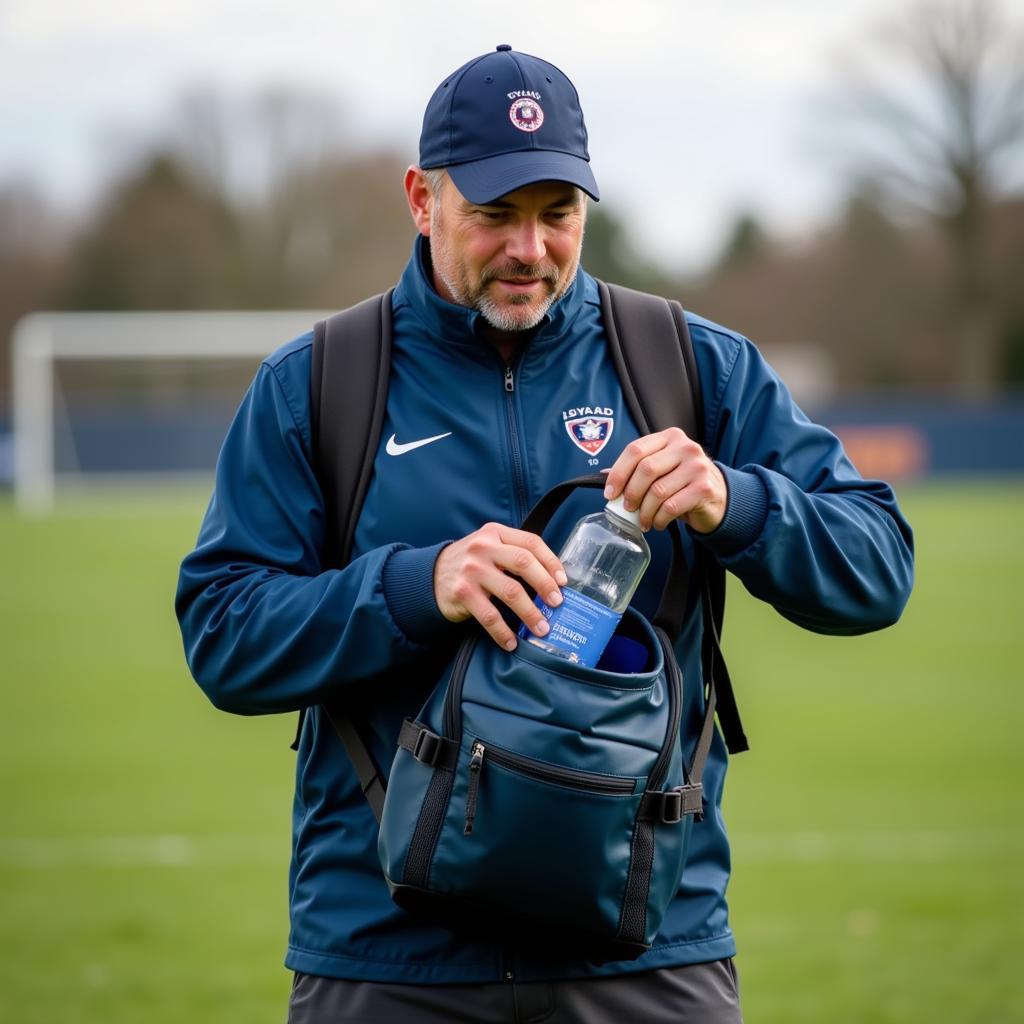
x: 510, y: 259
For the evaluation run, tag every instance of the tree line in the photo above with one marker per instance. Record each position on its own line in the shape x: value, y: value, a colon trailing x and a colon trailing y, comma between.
x: 915, y: 285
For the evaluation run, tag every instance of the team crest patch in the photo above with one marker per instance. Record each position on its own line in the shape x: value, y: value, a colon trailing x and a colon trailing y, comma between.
x: 526, y: 114
x: 590, y: 433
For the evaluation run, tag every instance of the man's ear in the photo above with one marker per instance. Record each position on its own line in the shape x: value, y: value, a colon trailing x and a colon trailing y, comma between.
x: 421, y: 199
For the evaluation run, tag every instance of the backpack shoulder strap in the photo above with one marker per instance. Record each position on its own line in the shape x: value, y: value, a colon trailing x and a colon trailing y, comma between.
x: 348, y: 398
x: 651, y: 348
x: 653, y: 355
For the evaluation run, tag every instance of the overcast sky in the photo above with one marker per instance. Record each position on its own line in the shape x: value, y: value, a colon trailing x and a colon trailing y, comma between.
x: 695, y: 110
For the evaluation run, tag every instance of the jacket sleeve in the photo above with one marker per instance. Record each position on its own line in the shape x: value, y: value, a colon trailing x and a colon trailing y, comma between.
x: 264, y: 629
x: 803, y: 531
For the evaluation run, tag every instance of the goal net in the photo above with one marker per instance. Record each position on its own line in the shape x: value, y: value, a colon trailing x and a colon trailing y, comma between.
x: 119, y: 398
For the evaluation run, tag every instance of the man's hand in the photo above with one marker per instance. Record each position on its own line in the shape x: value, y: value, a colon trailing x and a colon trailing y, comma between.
x: 472, y: 571
x: 668, y: 476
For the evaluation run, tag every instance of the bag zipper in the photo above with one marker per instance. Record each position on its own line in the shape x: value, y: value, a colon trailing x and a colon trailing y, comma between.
x: 453, y: 698
x: 674, y: 679
x: 476, y: 762
x: 573, y: 778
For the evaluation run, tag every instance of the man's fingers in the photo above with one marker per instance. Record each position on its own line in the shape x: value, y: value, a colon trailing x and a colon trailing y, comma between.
x: 666, y: 498
x: 486, y: 613
x: 491, y: 565
x: 511, y: 593
x: 524, y: 565
x: 522, y: 556
x: 534, y: 544
x: 662, y: 472
x: 695, y: 493
x: 624, y: 466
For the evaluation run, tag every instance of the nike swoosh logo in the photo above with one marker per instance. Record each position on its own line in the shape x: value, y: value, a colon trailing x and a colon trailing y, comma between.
x: 394, y: 448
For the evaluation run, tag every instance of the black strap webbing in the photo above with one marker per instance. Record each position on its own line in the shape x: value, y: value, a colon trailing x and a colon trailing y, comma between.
x: 427, y: 746
x: 715, y: 668
x: 346, y: 433
x: 351, y: 346
x: 650, y: 345
x: 371, y: 780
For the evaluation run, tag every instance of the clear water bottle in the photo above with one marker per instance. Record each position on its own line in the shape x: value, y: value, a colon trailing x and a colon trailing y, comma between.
x: 604, y: 558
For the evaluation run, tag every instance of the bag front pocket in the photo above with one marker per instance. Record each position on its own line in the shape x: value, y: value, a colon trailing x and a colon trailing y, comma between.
x: 516, y: 826
x: 541, y: 771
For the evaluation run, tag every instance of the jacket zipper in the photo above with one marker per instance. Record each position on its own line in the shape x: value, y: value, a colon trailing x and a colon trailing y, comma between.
x: 573, y: 778
x: 518, y: 471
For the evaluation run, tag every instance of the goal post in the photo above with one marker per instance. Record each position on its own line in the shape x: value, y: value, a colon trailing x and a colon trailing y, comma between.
x: 43, y: 342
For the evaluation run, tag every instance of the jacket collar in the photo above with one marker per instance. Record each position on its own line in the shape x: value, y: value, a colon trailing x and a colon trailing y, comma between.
x: 458, y: 325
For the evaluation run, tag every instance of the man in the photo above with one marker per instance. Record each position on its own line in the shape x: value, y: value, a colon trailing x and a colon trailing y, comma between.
x: 498, y: 344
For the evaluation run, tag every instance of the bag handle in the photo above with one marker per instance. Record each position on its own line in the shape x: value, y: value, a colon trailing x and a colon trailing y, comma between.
x: 667, y: 806
x: 672, y: 606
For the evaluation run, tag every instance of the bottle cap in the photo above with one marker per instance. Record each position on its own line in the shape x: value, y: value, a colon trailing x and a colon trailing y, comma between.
x: 617, y: 506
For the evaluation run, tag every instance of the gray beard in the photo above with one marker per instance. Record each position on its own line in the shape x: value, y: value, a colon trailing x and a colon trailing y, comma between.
x: 501, y: 317
x: 504, y: 318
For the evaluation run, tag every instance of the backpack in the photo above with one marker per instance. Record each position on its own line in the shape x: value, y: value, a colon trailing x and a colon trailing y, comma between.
x: 467, y: 851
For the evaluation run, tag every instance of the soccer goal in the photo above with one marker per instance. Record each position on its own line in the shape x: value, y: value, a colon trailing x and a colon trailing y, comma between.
x: 102, y: 398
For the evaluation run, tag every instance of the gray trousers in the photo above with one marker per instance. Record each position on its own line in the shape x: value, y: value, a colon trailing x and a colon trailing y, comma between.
x: 695, y: 994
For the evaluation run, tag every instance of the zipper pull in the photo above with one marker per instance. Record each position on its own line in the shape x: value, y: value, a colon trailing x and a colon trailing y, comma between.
x: 476, y: 762
x: 510, y: 381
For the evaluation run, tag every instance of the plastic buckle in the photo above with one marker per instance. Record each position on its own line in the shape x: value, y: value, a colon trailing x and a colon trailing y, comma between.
x: 681, y: 801
x: 671, y: 807
x: 427, y: 748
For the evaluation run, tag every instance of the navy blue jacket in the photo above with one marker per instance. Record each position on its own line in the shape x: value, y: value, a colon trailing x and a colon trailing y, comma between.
x: 267, y: 630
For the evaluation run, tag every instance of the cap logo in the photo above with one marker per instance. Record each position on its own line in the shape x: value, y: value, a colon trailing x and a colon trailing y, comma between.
x: 526, y: 114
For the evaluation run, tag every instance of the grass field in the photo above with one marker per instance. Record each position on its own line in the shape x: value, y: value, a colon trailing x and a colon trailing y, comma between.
x: 877, y: 823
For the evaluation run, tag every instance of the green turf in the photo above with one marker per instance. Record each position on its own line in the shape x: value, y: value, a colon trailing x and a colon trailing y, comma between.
x: 877, y: 826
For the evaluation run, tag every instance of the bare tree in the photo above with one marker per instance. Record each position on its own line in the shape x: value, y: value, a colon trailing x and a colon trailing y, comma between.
x: 252, y: 145
x: 201, y: 137
x: 933, y: 114
x: 263, y: 155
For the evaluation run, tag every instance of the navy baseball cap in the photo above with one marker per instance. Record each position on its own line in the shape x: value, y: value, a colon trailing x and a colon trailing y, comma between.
x: 505, y: 120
